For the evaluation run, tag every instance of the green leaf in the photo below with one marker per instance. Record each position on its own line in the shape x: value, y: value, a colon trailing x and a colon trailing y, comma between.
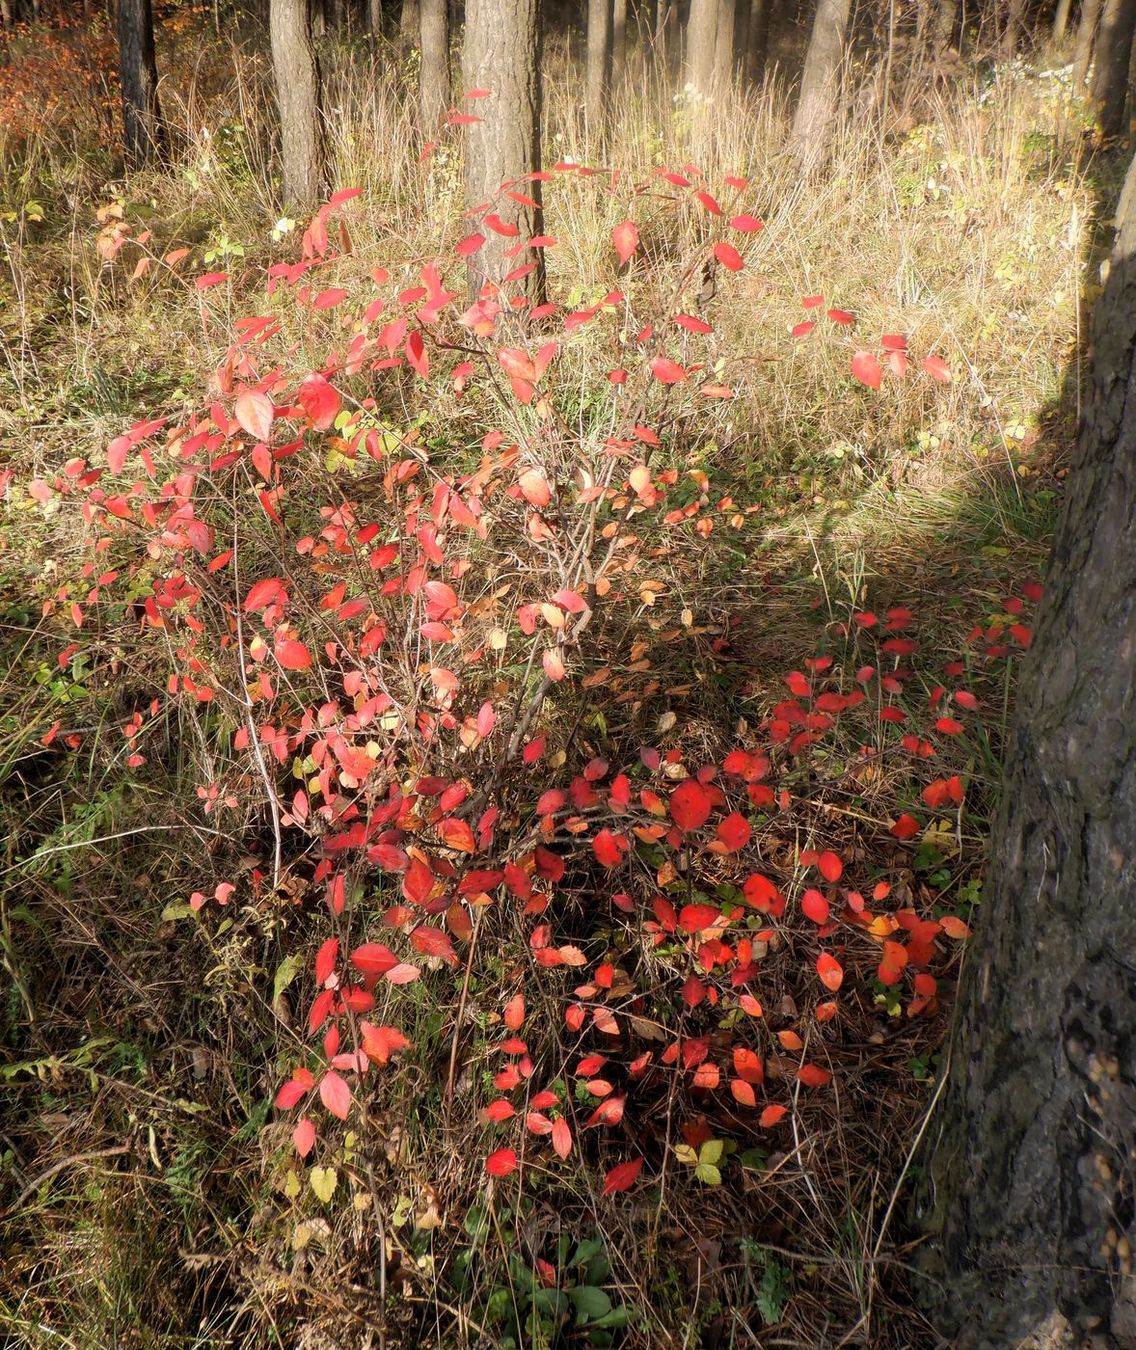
x: 286, y: 972
x: 591, y: 1303
x: 323, y: 1180
x: 684, y: 1153
x: 711, y: 1152
x: 708, y: 1175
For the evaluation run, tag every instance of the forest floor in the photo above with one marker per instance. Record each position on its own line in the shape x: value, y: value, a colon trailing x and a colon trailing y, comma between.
x: 150, y: 1194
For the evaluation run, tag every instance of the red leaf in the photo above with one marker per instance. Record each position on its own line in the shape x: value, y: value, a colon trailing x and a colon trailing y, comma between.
x: 534, y: 488
x: 690, y: 805
x: 320, y: 401
x: 742, y: 1092
x: 379, y: 1043
x: 867, y: 369
x: 667, y: 371
x: 747, y: 224
x: 433, y: 942
x: 734, y: 831
x: 622, y: 1177
x: 830, y: 972
x: 906, y: 827
x: 458, y: 834
x: 812, y: 1075
x: 293, y: 655
x: 562, y: 1137
x: 254, y: 411
x: 815, y: 907
x: 501, y: 1163
x: 729, y: 257
x: 335, y: 1094
x: 609, y: 847
x: 515, y: 1012
x: 830, y: 866
x: 937, y: 368
x: 771, y: 1115
x: 625, y: 237
x: 304, y: 1137
x: 372, y: 959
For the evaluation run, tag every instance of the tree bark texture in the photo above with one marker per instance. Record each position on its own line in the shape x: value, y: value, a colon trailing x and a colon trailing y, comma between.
x: 502, y: 54
x: 945, y: 26
x: 1061, y: 19
x: 701, y: 42
x: 143, y: 131
x: 1114, y: 56
x: 820, y: 82
x: 1014, y: 29
x: 1086, y: 40
x: 409, y: 24
x: 434, y: 88
x: 756, y: 40
x: 724, y: 43
x: 618, y: 42
x: 597, y: 68
x: 298, y: 97
x: 1028, y: 1183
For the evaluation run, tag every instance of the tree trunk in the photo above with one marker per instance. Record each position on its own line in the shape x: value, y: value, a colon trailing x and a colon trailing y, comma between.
x: 502, y: 54
x: 1061, y: 20
x: 1114, y: 56
x: 298, y: 97
x: 665, y: 18
x: 820, y: 82
x: 1086, y: 39
x: 375, y: 18
x: 756, y: 40
x: 1027, y: 1190
x: 336, y: 15
x: 434, y: 89
x: 1014, y: 29
x: 143, y: 131
x: 724, y: 43
x: 618, y: 42
x: 945, y: 26
x: 598, y: 64
x: 701, y: 42
x: 410, y: 24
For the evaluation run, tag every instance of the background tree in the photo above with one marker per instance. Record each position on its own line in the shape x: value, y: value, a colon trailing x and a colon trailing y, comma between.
x: 143, y: 131
x: 298, y: 97
x: 701, y: 43
x: 410, y: 24
x: 434, y: 87
x: 502, y: 53
x: 1114, y: 55
x: 1086, y: 39
x: 618, y: 42
x: 597, y: 68
x: 1031, y: 1172
x: 724, y: 39
x: 756, y: 40
x: 820, y: 82
x: 1061, y: 20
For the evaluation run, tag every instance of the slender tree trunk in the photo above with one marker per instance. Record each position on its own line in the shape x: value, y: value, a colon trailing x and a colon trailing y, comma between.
x: 701, y: 43
x: 375, y: 18
x: 298, y: 97
x: 724, y: 43
x: 335, y: 15
x: 945, y: 27
x: 502, y: 54
x: 1015, y: 27
x: 143, y: 131
x: 1061, y: 20
x: 1028, y: 1175
x: 666, y: 12
x: 820, y: 82
x: 1114, y: 56
x: 434, y: 88
x: 1086, y: 40
x: 598, y: 65
x: 757, y: 40
x: 618, y: 42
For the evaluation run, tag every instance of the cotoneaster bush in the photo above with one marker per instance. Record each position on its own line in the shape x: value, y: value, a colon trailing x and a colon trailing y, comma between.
x: 385, y: 570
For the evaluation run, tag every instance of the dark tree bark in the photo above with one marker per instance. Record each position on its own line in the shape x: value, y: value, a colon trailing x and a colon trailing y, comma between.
x: 375, y: 18
x: 434, y: 90
x: 820, y: 82
x: 598, y: 66
x: 1114, y: 56
x: 1086, y: 40
x: 756, y: 40
x: 666, y: 18
x: 298, y: 97
x: 701, y: 42
x: 502, y: 54
x: 1028, y: 1182
x: 1014, y: 29
x: 143, y: 131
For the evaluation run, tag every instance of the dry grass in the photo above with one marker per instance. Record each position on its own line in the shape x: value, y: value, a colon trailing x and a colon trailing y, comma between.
x: 145, y: 1188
